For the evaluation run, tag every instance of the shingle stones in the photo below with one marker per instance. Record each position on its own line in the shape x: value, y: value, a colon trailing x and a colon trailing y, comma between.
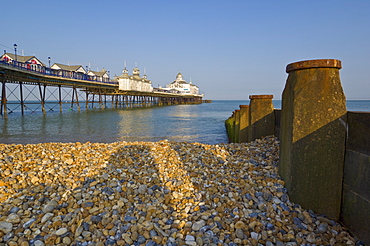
x: 152, y: 193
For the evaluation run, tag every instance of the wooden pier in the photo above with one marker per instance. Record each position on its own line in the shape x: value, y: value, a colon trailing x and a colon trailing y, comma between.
x: 26, y: 90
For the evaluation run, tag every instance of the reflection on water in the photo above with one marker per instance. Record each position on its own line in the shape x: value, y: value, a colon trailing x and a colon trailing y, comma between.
x: 202, y: 123
x: 153, y: 124
x: 185, y: 112
x: 135, y: 122
x: 193, y: 123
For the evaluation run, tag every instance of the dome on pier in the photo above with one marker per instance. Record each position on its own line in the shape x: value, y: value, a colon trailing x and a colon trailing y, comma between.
x: 136, y: 71
x: 179, y: 77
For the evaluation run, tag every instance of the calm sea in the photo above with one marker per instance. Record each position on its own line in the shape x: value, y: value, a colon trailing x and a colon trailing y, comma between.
x: 202, y: 123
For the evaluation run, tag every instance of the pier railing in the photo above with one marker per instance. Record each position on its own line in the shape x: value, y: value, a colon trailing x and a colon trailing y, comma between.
x: 42, y: 70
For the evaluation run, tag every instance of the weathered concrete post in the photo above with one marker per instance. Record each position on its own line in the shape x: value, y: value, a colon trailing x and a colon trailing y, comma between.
x: 230, y: 127
x: 228, y: 124
x: 237, y: 126
x: 313, y: 135
x: 261, y: 117
x: 243, y: 123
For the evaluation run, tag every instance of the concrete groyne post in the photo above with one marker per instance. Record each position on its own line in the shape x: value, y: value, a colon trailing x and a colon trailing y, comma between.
x: 230, y: 127
x: 227, y: 127
x: 236, y: 126
x: 243, y: 123
x: 261, y: 117
x: 313, y: 135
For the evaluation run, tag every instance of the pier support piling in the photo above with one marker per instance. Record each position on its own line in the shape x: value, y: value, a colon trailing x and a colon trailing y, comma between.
x: 42, y: 99
x: 21, y: 96
x: 60, y: 98
x: 4, y: 111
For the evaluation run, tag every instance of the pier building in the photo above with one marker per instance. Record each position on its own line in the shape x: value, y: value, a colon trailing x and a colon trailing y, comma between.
x: 70, y: 70
x: 134, y: 82
x: 27, y: 62
x: 182, y: 87
x: 101, y: 76
x: 9, y: 57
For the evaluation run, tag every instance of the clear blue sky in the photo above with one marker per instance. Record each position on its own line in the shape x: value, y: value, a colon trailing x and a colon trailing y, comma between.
x: 230, y: 49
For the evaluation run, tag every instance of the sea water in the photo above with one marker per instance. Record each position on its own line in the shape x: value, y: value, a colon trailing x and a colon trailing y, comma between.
x: 202, y: 123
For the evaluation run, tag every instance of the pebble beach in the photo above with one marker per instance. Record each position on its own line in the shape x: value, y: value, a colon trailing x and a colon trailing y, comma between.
x: 153, y: 193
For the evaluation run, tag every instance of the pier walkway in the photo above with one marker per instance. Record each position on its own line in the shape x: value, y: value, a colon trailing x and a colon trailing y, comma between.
x: 24, y: 85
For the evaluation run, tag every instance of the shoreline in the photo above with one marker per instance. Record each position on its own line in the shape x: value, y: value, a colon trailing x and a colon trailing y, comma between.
x: 152, y: 193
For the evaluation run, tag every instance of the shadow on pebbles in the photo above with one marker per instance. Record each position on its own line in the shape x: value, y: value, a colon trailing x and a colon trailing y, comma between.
x: 152, y: 193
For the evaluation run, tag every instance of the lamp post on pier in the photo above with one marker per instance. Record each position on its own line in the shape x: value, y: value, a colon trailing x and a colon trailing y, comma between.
x: 15, y: 51
x: 49, y: 61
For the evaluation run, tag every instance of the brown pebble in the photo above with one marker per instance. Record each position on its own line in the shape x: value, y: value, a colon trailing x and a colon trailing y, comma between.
x: 239, y: 225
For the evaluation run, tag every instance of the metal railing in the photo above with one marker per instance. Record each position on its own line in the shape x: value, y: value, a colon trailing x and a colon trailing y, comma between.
x: 36, y: 68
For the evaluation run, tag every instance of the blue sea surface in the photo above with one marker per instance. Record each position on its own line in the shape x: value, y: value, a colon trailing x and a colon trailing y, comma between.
x: 202, y: 123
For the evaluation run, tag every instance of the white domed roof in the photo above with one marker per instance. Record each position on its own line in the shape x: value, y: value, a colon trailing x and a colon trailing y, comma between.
x: 179, y: 77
